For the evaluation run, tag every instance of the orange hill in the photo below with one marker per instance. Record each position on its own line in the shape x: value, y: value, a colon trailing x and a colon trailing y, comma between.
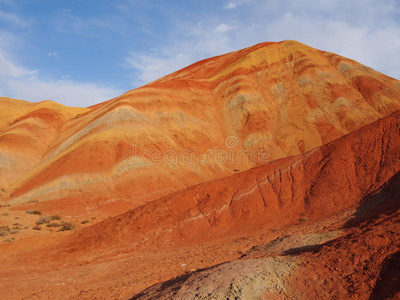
x: 303, y: 204
x: 332, y: 189
x: 282, y: 98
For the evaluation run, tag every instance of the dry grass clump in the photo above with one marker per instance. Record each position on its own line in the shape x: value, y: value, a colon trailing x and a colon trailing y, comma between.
x: 47, y: 219
x: 67, y: 226
x: 4, y: 230
x: 42, y: 220
x: 38, y: 228
x: 33, y: 212
x: 55, y: 224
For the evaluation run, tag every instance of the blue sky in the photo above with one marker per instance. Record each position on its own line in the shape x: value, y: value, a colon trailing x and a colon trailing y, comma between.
x: 81, y: 52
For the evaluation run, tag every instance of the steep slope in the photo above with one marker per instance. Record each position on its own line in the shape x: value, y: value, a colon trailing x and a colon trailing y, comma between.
x: 362, y: 264
x: 324, y: 181
x: 27, y: 130
x: 258, y: 104
x: 329, y: 190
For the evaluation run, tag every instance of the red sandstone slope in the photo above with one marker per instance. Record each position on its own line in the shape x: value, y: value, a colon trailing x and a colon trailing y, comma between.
x: 27, y: 130
x: 282, y: 98
x: 327, y: 180
x: 221, y: 220
x: 306, y: 108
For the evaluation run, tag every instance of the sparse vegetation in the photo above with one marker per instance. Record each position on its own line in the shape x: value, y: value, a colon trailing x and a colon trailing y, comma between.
x: 43, y: 220
x: 33, y: 212
x: 303, y: 219
x: 47, y: 219
x: 16, y: 224
x: 37, y: 228
x: 3, y: 233
x: 8, y: 240
x: 5, y: 214
x: 85, y: 222
x: 14, y: 231
x: 67, y: 226
x: 55, y: 224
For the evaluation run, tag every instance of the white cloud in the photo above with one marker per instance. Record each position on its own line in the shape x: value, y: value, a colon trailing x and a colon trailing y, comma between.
x: 230, y: 5
x: 64, y: 91
x: 53, y: 54
x: 205, y: 40
x: 19, y: 82
x: 235, y: 3
x: 367, y: 32
x: 223, y: 28
x: 8, y: 69
x: 13, y: 19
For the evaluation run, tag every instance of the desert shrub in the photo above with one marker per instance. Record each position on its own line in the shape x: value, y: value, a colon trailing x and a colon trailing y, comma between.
x: 26, y: 227
x: 33, y: 212
x: 67, y: 226
x: 84, y: 222
x: 55, y: 224
x: 7, y: 240
x: 14, y: 231
x: 303, y: 219
x: 55, y: 217
x: 5, y: 214
x: 42, y: 220
x: 16, y: 228
x: 4, y: 230
x: 16, y: 224
x: 37, y: 228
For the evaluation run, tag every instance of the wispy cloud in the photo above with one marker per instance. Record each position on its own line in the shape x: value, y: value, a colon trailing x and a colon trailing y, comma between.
x: 230, y: 5
x: 367, y: 33
x: 20, y: 82
x: 8, y: 69
x: 235, y: 3
x: 53, y: 54
x: 67, y: 22
x: 204, y: 41
x: 64, y: 91
x: 13, y: 19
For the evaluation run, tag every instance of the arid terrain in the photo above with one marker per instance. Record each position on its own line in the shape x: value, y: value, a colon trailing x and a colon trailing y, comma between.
x: 271, y: 172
